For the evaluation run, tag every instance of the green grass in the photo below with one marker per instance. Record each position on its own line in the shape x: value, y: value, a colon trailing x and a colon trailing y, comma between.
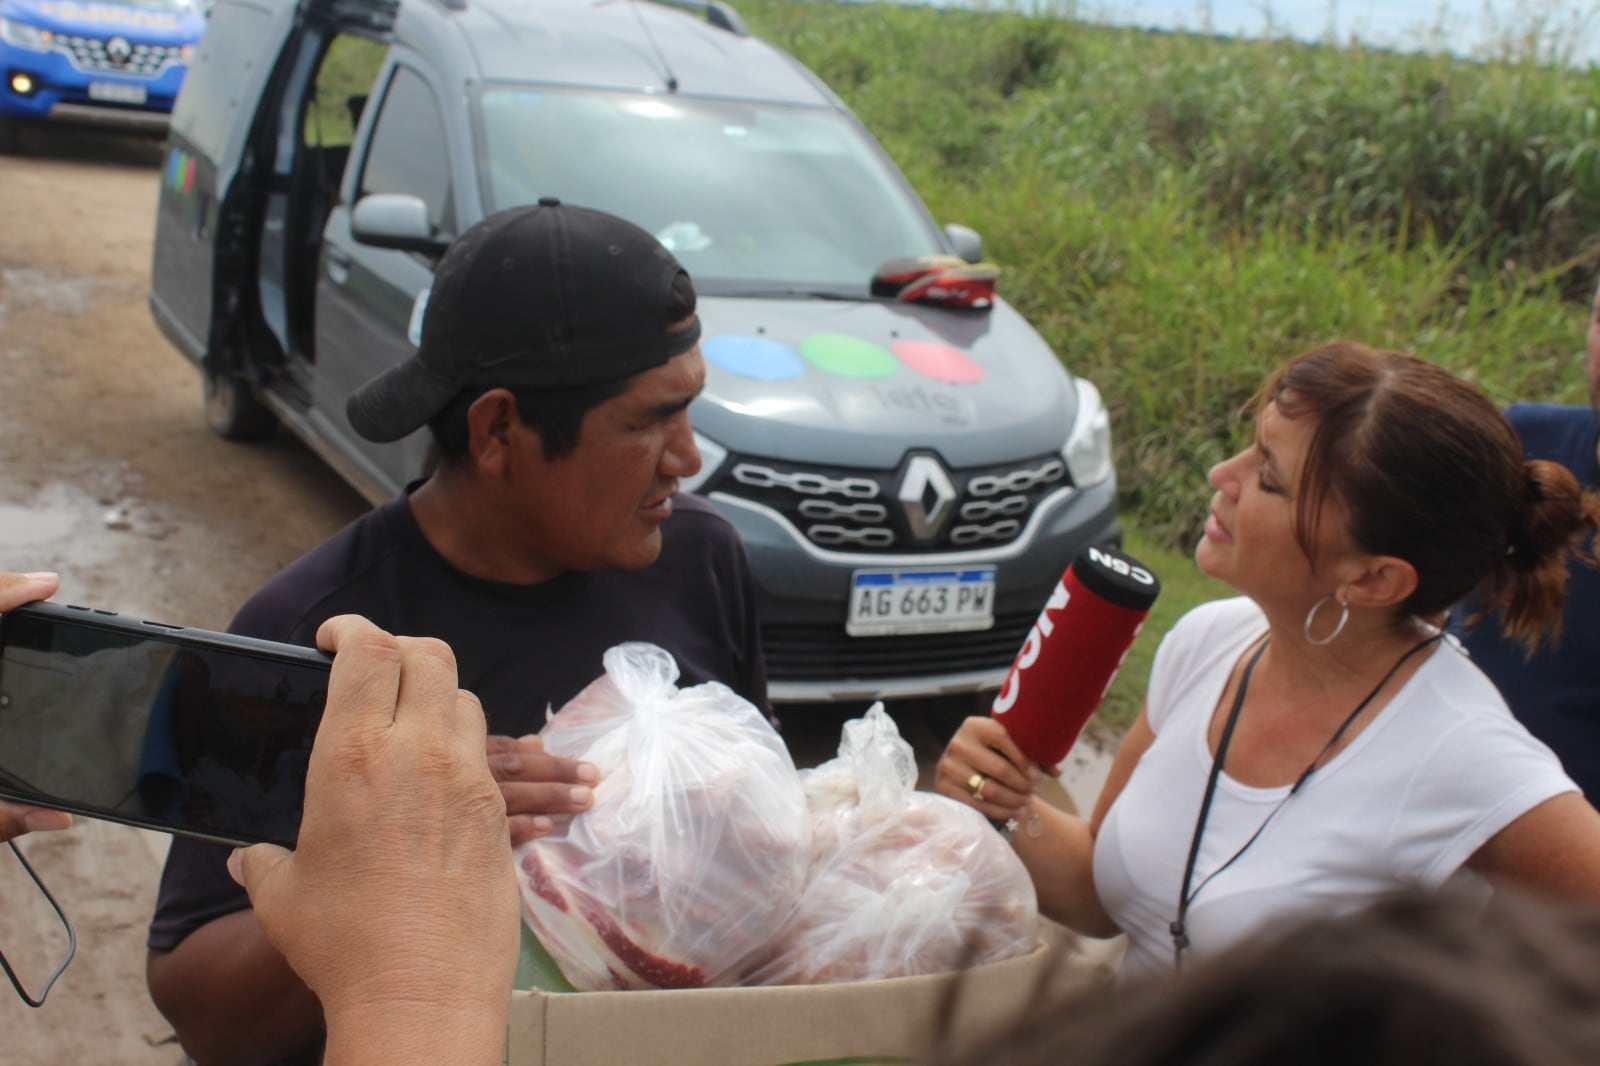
x: 1179, y: 213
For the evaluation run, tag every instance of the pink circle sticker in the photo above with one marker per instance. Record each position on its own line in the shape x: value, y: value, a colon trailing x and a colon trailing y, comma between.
x: 938, y: 361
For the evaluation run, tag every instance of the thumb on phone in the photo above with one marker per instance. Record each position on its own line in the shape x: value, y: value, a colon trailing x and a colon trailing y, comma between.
x: 256, y: 868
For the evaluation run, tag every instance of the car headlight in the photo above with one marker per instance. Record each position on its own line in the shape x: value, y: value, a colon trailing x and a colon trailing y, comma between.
x: 1088, y: 447
x: 712, y: 455
x: 25, y: 36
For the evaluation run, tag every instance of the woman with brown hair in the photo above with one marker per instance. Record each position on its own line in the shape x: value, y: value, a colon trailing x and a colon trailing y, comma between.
x: 1313, y: 744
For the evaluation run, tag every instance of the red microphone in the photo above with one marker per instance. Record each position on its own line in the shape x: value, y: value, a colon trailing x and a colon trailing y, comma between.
x: 1067, y: 663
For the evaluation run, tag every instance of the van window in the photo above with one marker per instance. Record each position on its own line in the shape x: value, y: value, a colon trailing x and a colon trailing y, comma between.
x: 744, y: 193
x: 345, y: 78
x: 409, y: 152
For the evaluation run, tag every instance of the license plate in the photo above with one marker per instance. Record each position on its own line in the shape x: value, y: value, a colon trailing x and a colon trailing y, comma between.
x: 116, y: 92
x: 885, y: 603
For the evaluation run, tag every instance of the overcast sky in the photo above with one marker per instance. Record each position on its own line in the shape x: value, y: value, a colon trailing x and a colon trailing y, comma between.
x: 1467, y: 27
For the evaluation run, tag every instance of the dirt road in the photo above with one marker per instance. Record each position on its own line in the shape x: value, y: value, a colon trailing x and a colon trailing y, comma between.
x: 109, y: 476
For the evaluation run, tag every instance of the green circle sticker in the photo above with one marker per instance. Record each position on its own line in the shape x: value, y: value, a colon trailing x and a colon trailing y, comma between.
x: 849, y: 357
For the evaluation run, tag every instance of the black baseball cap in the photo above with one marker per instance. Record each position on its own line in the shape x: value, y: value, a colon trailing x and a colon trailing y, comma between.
x: 548, y: 295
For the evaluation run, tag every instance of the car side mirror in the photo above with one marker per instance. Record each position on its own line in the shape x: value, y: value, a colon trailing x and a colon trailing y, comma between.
x: 964, y: 241
x: 395, y: 220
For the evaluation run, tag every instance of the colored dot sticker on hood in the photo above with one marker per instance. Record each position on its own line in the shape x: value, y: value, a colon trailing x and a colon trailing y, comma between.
x: 938, y: 361
x: 753, y: 357
x: 849, y: 357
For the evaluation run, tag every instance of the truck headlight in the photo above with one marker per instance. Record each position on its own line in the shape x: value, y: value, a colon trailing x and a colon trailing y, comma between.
x: 712, y: 455
x: 25, y: 36
x: 1088, y: 447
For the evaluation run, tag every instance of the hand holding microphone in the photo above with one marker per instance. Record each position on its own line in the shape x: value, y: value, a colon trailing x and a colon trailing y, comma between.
x: 1057, y: 681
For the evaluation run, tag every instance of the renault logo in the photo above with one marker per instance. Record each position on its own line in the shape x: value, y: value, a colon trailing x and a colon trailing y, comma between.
x: 927, y: 496
x: 118, y: 50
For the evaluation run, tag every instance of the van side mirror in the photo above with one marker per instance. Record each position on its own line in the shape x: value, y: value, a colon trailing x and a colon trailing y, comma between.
x: 964, y: 241
x: 395, y: 220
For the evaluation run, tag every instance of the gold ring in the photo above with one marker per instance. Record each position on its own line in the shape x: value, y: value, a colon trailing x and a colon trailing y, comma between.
x: 976, y: 783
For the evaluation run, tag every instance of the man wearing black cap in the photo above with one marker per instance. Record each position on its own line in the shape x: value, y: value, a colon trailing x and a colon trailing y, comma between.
x: 559, y: 354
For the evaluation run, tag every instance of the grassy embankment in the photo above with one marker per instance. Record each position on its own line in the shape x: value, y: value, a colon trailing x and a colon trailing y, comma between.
x: 1178, y: 213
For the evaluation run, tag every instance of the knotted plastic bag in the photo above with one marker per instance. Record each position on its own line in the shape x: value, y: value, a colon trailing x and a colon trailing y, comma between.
x: 694, y: 852
x: 902, y: 882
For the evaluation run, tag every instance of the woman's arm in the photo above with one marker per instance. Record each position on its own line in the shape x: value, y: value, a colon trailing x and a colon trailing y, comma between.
x: 1554, y: 849
x: 1060, y: 858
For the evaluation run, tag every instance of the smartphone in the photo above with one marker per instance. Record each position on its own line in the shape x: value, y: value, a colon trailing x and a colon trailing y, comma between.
x: 160, y: 726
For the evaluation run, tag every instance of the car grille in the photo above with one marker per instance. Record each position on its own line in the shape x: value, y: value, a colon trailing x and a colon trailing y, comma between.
x: 825, y: 653
x: 92, y: 54
x: 860, y: 510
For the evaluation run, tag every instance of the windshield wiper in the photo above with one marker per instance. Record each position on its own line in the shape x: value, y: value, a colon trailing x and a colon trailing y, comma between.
x: 790, y: 294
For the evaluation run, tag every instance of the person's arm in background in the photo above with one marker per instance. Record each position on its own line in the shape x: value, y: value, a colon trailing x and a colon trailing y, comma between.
x: 399, y: 905
x: 15, y: 818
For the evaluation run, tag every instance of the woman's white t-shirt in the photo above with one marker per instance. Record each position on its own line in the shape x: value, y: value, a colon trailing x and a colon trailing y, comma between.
x: 1442, y: 768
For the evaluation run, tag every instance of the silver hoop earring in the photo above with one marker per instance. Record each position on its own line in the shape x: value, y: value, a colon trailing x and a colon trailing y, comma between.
x: 1344, y: 616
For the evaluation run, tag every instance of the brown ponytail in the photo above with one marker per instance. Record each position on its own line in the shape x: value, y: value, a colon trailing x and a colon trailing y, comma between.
x: 1556, y: 518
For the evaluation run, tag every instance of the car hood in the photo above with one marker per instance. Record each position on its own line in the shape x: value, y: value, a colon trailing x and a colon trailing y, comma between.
x: 139, y: 25
x: 858, y: 383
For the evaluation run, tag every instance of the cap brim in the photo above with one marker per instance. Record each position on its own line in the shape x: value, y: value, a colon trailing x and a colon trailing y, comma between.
x: 398, y: 402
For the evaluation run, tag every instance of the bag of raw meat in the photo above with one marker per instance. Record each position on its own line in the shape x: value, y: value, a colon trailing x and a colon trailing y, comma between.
x: 902, y: 882
x: 694, y: 852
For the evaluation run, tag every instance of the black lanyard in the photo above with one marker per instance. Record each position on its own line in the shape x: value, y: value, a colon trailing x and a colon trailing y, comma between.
x: 1178, y: 928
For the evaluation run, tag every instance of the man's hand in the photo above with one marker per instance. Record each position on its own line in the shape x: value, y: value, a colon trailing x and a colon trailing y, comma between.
x: 16, y: 590
x: 398, y: 906
x: 537, y: 786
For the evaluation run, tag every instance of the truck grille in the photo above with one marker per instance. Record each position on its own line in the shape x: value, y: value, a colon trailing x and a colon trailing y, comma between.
x: 825, y: 653
x: 921, y: 506
x: 95, y: 55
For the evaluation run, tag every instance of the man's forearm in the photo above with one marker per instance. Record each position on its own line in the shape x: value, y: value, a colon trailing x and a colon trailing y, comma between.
x: 231, y: 997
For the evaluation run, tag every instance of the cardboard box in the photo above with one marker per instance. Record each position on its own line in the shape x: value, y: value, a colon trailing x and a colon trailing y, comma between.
x: 865, y: 1022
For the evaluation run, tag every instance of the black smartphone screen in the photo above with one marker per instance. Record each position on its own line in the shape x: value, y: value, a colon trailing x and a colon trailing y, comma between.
x: 193, y: 732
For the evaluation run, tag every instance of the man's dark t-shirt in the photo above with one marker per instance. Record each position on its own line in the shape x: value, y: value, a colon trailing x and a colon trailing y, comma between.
x: 519, y: 648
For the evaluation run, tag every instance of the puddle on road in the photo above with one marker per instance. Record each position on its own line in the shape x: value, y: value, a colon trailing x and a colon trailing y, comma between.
x: 21, y: 288
x: 88, y: 537
x: 27, y: 527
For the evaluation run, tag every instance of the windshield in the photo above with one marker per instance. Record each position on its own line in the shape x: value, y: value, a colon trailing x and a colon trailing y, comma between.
x: 749, y: 197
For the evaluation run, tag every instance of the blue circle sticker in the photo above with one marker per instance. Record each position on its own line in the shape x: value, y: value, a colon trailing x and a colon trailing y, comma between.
x: 753, y: 357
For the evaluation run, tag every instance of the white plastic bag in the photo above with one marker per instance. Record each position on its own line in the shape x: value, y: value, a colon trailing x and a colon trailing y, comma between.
x: 902, y: 882
x: 694, y: 853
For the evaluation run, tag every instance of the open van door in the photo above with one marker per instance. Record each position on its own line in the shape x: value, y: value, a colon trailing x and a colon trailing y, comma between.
x: 237, y: 112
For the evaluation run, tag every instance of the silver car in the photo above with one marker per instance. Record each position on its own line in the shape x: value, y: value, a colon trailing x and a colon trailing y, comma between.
x: 910, y: 479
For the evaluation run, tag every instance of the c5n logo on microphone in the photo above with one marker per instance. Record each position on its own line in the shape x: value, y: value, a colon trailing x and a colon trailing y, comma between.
x: 1122, y: 566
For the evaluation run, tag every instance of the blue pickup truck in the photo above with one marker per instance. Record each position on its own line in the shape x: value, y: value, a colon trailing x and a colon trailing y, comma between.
x: 100, y: 62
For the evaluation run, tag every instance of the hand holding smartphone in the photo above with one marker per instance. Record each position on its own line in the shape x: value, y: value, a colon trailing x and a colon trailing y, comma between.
x: 171, y: 728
